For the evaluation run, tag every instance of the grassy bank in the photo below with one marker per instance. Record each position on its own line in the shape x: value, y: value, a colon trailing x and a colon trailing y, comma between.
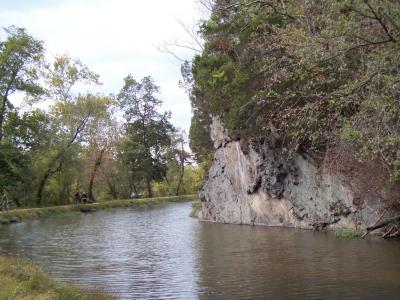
x: 21, y: 279
x: 20, y: 215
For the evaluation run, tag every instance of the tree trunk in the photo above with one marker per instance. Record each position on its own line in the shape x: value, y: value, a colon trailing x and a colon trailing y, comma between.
x: 2, y: 115
x: 180, y: 183
x: 182, y: 166
x: 46, y: 177
x: 149, y: 191
x: 49, y: 171
x: 96, y: 166
x: 42, y: 184
x: 134, y: 191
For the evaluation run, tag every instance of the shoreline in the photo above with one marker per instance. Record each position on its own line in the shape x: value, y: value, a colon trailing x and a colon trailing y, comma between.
x: 22, y: 279
x: 25, y: 214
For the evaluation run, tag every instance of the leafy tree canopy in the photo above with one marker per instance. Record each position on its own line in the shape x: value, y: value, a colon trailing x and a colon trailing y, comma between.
x: 312, y: 74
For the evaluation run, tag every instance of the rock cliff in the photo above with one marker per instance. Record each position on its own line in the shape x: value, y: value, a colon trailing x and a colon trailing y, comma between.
x: 248, y: 183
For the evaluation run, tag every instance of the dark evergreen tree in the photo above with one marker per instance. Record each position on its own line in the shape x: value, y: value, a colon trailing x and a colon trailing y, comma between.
x: 147, y: 131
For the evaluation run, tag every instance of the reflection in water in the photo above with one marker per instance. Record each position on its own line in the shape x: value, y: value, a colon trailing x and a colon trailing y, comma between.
x: 275, y: 263
x: 163, y: 254
x: 128, y: 253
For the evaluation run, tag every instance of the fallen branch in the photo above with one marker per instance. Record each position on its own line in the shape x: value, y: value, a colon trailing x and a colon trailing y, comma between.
x: 395, y: 235
x: 385, y: 235
x: 376, y: 222
x: 383, y: 224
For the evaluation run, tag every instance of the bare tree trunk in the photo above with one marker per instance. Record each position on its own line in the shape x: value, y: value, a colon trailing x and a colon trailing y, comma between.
x: 2, y: 115
x: 46, y: 177
x: 134, y: 191
x: 182, y: 172
x: 96, y: 166
x: 42, y: 184
x: 182, y: 167
x: 149, y: 190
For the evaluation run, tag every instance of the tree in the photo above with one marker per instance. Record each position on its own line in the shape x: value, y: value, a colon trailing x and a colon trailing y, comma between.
x: 147, y: 130
x: 20, y: 57
x: 117, y: 172
x: 310, y: 72
x: 101, y: 139
x: 71, y: 115
x: 200, y: 139
x: 76, y: 122
x: 181, y: 156
x: 27, y: 137
x: 63, y: 73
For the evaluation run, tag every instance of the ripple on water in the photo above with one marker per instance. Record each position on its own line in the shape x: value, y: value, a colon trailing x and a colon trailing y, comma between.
x: 163, y: 254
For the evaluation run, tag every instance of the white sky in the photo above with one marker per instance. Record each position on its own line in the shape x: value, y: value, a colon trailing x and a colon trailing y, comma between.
x: 113, y: 38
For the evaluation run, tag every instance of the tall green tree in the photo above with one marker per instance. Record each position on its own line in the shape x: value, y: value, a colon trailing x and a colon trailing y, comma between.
x: 76, y: 123
x: 147, y: 130
x: 179, y: 156
x: 71, y: 115
x: 199, y: 133
x: 20, y: 57
x: 27, y: 136
x: 102, y: 135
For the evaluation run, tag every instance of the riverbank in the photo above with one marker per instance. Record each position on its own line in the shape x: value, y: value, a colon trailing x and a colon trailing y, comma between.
x: 21, y: 279
x: 20, y: 215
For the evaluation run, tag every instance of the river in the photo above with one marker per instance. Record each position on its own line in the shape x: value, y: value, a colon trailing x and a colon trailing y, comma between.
x: 161, y: 253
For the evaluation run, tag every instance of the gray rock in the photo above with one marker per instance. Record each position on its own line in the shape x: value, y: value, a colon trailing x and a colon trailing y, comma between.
x: 248, y: 183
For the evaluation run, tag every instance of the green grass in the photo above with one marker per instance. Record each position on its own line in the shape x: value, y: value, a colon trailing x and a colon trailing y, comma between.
x: 21, y: 279
x: 348, y: 233
x: 196, y: 207
x: 20, y: 215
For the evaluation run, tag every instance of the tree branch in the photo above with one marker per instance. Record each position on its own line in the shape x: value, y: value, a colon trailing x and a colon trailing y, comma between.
x: 380, y: 21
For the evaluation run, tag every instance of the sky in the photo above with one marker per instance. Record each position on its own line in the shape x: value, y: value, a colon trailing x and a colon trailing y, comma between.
x: 114, y: 38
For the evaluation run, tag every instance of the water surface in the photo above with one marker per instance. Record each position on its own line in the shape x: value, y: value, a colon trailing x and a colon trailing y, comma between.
x: 163, y: 254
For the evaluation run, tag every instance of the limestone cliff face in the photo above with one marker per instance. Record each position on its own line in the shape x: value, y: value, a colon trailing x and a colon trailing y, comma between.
x: 249, y: 184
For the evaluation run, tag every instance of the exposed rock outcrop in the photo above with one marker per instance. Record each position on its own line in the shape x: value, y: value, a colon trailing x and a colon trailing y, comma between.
x: 248, y: 183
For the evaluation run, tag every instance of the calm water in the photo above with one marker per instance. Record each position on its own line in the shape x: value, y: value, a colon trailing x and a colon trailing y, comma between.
x: 163, y: 254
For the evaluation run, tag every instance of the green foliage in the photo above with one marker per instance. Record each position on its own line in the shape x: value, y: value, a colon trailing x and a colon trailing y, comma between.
x: 20, y: 57
x: 308, y: 73
x: 200, y: 140
x: 348, y: 233
x: 80, y: 142
x: 147, y: 131
x: 192, y: 180
x: 63, y: 74
x: 13, y: 166
x: 29, y: 130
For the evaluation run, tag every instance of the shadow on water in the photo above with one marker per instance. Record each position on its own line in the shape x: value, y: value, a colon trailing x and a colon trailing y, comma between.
x: 279, y: 263
x: 163, y: 254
